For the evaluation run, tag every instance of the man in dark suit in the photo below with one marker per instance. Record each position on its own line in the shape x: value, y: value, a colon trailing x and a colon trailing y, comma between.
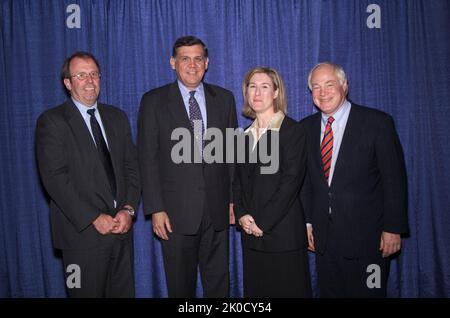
x: 189, y: 201
x: 355, y: 192
x: 88, y: 165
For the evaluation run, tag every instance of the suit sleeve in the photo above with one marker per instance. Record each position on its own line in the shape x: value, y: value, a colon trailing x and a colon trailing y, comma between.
x: 54, y: 170
x: 239, y: 210
x: 237, y: 186
x: 232, y: 123
x: 393, y: 177
x: 305, y: 194
x: 292, y: 169
x: 148, y: 154
x: 305, y: 197
x: 131, y: 168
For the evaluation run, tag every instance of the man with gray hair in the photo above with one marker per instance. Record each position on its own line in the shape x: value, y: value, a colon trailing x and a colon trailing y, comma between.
x: 355, y: 191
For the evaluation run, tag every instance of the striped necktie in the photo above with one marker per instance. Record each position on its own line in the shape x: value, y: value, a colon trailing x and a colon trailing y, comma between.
x: 326, y: 148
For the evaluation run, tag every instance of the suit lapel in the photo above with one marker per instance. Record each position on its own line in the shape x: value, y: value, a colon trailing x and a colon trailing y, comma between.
x: 87, y: 146
x: 353, y: 131
x: 176, y: 107
x: 108, y: 125
x: 178, y: 110
x: 112, y: 137
x: 79, y: 128
x: 212, y: 107
x: 110, y: 131
x: 315, y: 142
x: 253, y: 168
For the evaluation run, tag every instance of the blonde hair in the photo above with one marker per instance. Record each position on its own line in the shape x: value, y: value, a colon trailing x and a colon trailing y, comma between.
x: 280, y: 103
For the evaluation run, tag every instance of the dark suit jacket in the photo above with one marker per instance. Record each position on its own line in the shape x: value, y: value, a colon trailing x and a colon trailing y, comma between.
x: 272, y: 199
x: 368, y: 192
x: 74, y: 177
x: 183, y: 190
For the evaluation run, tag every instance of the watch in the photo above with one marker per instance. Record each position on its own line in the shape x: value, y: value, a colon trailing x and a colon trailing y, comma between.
x: 129, y: 210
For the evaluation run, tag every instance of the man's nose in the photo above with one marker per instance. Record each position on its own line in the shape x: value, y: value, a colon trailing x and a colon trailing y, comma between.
x: 192, y: 63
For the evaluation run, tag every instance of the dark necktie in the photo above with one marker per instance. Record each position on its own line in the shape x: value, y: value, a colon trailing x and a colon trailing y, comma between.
x: 326, y: 148
x: 103, y: 152
x: 196, y: 115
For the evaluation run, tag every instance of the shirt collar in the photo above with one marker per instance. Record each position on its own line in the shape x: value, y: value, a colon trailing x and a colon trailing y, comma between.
x: 274, y: 123
x: 83, y: 108
x: 339, y: 114
x: 185, y: 91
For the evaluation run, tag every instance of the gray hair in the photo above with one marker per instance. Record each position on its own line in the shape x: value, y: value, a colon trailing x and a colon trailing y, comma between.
x: 338, y: 70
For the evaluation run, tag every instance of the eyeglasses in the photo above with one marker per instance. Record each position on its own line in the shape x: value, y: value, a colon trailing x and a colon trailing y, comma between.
x: 83, y: 75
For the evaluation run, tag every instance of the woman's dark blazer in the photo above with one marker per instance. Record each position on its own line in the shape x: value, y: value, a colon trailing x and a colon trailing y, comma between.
x: 272, y: 198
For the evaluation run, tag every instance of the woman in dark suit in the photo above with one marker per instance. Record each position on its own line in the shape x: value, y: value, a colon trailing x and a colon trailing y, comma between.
x: 267, y: 206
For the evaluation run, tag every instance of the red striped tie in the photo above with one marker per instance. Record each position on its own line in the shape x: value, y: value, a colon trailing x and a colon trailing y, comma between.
x: 326, y: 148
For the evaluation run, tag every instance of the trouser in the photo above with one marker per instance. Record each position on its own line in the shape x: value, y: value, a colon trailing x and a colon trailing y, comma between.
x: 207, y: 249
x: 102, y: 271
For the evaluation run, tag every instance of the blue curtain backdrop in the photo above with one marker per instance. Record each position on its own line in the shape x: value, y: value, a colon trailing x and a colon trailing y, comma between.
x: 401, y: 66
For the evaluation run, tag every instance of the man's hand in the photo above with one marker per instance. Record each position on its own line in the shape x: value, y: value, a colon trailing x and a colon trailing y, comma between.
x: 249, y: 226
x: 161, y: 224
x: 309, y: 231
x: 231, y: 214
x: 245, y: 222
x: 125, y: 221
x: 256, y: 231
x: 105, y: 224
x: 390, y: 243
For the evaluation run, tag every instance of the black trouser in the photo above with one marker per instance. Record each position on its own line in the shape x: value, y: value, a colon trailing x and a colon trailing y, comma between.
x: 341, y: 276
x: 283, y: 274
x: 105, y: 271
x: 207, y: 249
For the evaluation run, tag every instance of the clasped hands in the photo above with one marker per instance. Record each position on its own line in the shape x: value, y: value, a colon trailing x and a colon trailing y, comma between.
x: 120, y: 224
x: 249, y: 226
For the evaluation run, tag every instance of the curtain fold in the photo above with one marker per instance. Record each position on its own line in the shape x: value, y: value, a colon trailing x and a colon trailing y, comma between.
x: 402, y: 68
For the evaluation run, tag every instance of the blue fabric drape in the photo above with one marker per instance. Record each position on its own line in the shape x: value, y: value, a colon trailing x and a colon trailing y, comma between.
x: 402, y: 68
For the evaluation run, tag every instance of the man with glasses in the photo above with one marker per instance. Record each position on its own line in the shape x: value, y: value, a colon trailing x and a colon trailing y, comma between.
x: 189, y: 201
x: 88, y: 165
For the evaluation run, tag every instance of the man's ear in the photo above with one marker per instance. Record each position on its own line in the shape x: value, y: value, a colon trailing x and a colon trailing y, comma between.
x: 172, y: 62
x: 68, y: 84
